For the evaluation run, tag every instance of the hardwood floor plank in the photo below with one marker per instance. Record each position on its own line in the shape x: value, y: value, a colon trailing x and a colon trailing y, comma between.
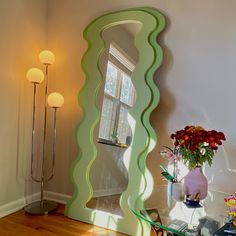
x: 8, y: 228
x: 54, y: 224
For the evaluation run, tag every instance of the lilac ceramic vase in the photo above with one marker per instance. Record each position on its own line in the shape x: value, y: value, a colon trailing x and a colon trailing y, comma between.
x: 196, y: 182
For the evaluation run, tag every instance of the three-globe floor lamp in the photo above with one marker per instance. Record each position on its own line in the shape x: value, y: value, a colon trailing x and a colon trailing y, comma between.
x: 54, y: 100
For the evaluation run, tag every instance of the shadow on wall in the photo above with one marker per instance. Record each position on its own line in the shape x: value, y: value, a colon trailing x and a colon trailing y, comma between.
x: 159, y: 117
x: 226, y: 170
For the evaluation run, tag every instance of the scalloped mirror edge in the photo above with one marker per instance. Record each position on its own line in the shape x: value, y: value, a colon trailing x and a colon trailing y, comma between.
x: 140, y: 181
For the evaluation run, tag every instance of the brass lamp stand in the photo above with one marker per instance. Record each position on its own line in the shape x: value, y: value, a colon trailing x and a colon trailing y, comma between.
x: 54, y: 100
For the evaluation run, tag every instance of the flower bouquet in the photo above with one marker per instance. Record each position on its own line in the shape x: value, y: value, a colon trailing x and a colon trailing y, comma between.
x: 196, y: 145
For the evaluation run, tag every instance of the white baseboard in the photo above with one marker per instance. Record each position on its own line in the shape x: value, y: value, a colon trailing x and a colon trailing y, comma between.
x: 63, y: 198
x: 108, y: 192
x: 17, y: 205
x: 57, y: 197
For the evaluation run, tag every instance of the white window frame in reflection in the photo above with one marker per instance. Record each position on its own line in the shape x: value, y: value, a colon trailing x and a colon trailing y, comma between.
x: 119, y: 97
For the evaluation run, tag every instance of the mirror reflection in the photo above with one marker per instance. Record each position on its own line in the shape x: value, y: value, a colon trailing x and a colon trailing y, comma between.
x: 119, y: 96
x: 109, y: 177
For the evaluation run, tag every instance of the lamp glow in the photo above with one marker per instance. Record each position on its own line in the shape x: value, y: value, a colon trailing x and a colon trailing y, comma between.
x: 35, y: 75
x: 55, y: 100
x: 46, y: 57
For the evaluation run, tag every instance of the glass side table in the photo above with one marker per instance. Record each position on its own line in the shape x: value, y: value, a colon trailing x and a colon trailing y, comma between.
x: 163, y: 212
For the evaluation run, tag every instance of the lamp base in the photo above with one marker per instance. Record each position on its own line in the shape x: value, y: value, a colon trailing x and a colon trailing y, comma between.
x: 36, y: 208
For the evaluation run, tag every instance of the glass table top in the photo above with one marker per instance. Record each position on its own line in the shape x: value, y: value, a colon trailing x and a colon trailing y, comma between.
x: 177, y: 217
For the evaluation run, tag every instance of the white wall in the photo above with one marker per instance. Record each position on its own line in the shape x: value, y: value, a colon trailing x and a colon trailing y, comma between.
x: 23, y: 31
x: 196, y: 79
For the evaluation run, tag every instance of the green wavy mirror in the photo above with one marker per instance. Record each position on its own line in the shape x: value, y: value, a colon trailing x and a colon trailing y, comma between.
x: 135, y: 149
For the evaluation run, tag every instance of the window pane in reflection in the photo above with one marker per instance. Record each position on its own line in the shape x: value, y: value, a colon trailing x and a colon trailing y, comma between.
x: 111, y: 80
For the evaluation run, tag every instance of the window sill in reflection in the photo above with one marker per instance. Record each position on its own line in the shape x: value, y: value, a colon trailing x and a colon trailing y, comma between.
x: 109, y: 142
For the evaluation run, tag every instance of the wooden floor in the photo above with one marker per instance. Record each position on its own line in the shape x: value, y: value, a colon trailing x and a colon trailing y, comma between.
x: 54, y: 224
x: 109, y: 203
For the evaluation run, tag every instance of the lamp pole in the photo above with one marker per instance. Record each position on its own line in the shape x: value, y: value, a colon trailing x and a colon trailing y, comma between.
x: 44, y: 137
x: 55, y: 100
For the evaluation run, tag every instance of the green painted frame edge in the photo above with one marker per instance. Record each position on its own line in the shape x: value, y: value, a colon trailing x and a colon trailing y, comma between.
x: 138, y: 174
x: 155, y: 97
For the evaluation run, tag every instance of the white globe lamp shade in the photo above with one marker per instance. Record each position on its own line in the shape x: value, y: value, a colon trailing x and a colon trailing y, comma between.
x: 46, y: 57
x: 55, y: 100
x: 35, y: 75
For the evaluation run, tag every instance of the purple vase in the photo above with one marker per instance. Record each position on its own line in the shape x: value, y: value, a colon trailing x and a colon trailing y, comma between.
x: 196, y: 182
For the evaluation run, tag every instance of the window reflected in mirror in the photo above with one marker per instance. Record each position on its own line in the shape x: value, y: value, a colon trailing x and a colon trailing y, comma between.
x: 109, y: 175
x: 119, y: 97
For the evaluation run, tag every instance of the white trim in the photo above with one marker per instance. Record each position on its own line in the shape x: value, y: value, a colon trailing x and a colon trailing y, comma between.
x: 17, y: 205
x: 108, y: 192
x: 121, y: 56
x: 64, y: 198
x: 57, y: 197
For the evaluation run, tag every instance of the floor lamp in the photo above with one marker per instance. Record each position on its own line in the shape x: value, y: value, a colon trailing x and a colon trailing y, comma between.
x: 55, y: 101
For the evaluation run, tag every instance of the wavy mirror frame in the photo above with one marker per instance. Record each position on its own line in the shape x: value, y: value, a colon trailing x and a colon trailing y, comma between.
x: 140, y: 182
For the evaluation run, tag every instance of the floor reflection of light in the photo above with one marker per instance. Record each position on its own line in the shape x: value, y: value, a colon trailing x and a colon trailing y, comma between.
x: 127, y: 154
x: 150, y: 185
x: 152, y: 144
x: 148, y: 175
x: 126, y: 158
x: 102, y: 218
x: 189, y: 215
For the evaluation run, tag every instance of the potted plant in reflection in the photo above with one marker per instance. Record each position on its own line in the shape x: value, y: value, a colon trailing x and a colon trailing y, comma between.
x: 196, y: 146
